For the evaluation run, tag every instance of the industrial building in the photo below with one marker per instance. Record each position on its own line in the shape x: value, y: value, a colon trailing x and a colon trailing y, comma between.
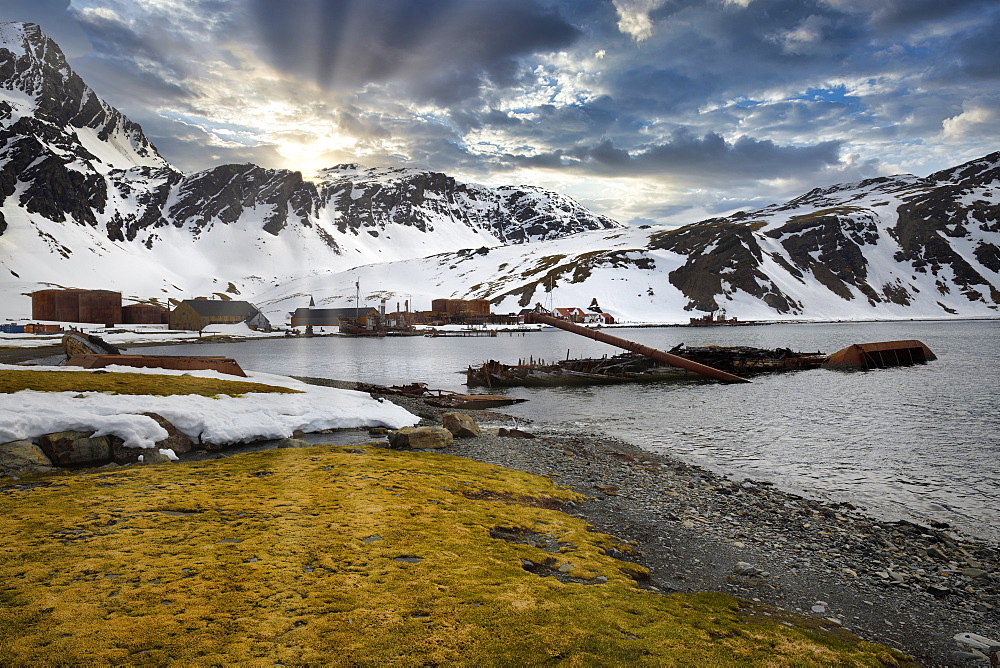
x: 453, y: 307
x: 196, y: 314
x: 328, y: 317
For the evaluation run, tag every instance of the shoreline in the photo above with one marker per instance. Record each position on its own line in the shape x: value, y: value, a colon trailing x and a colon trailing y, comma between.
x: 895, y: 583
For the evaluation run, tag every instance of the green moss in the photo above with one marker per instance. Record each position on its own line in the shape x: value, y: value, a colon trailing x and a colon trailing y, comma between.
x: 15, y: 380
x: 330, y: 555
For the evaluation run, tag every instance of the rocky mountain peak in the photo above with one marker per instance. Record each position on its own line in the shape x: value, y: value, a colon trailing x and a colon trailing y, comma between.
x: 984, y: 171
x: 33, y: 65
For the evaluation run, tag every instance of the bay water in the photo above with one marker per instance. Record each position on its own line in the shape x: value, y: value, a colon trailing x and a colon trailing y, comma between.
x: 918, y: 443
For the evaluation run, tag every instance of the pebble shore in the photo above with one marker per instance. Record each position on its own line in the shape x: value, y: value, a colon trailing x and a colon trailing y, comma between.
x: 900, y: 584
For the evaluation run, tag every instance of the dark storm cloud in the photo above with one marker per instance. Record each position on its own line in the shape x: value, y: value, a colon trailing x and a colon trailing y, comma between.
x: 687, y: 156
x: 444, y: 49
x: 980, y: 51
x: 907, y: 14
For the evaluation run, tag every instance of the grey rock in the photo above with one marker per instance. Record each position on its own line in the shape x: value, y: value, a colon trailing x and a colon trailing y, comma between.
x: 175, y: 440
x: 75, y: 448
x: 974, y: 573
x: 153, y: 456
x: 421, y: 438
x: 20, y: 457
x: 460, y: 424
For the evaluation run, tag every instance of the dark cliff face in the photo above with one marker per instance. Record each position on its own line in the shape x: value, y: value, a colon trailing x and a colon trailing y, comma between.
x: 829, y: 244
x: 722, y: 256
x: 63, y: 181
x: 227, y: 192
x: 961, y: 206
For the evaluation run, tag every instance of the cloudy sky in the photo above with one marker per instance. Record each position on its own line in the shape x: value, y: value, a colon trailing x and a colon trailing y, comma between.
x: 649, y: 111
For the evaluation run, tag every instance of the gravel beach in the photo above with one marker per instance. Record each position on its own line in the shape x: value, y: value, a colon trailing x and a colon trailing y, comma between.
x: 903, y: 585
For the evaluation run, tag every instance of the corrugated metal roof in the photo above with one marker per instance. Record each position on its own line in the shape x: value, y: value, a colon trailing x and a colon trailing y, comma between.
x: 219, y: 307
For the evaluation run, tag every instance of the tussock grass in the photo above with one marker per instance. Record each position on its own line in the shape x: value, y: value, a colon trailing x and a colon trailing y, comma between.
x: 351, y: 556
x: 15, y: 380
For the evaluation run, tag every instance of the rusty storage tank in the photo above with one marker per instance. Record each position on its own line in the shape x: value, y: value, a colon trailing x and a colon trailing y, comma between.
x: 100, y: 306
x: 439, y: 305
x: 144, y: 314
x: 478, y: 306
x: 56, y: 305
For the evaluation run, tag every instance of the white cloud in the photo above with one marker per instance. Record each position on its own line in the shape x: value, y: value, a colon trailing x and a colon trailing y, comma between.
x: 805, y: 38
x: 978, y: 118
x: 633, y: 17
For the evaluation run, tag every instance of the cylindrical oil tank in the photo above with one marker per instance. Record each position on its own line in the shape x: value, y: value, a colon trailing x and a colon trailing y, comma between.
x: 439, y: 305
x: 61, y: 305
x: 100, y: 306
x: 479, y: 306
x: 143, y: 314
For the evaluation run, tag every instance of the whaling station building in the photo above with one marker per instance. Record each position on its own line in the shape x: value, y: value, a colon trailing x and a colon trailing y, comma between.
x: 104, y: 307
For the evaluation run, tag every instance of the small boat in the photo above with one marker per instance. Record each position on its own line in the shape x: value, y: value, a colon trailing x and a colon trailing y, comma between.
x: 78, y: 343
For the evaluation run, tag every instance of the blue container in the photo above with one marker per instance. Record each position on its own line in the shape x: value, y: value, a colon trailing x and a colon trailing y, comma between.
x: 12, y: 329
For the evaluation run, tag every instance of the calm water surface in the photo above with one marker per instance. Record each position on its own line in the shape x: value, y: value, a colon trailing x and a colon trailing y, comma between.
x: 915, y: 443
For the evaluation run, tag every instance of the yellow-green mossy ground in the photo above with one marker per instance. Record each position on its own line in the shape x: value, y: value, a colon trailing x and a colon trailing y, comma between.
x: 15, y: 380
x: 352, y: 556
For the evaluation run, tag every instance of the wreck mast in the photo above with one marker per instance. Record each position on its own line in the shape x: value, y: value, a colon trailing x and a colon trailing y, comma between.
x: 672, y: 360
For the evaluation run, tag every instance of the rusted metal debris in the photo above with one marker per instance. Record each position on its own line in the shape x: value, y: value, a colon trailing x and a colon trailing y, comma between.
x: 221, y: 364
x: 93, y: 352
x: 668, y: 358
x: 880, y: 355
x: 441, y: 398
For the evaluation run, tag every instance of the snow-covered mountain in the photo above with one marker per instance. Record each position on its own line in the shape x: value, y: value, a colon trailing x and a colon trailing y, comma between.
x: 895, y: 247
x: 86, y: 201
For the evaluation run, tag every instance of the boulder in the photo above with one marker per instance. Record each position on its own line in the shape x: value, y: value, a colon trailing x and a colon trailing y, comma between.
x: 75, y: 448
x: 460, y: 424
x: 20, y: 457
x: 152, y: 456
x: 421, y: 438
x: 175, y: 440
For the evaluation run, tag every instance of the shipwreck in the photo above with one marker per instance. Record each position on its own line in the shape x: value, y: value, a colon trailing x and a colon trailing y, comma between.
x: 723, y: 363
